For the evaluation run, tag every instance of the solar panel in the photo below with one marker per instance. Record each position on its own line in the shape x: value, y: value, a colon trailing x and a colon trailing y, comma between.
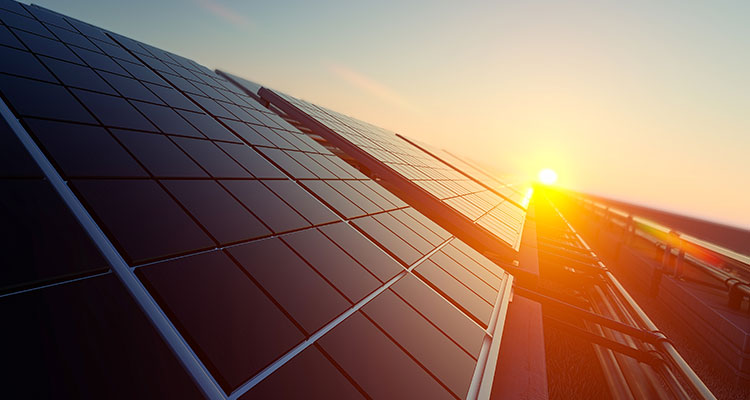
x: 508, y: 214
x: 462, y: 198
x: 258, y: 255
x: 518, y: 194
x: 70, y: 329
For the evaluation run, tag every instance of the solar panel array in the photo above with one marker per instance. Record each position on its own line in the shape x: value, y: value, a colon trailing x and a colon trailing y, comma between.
x: 267, y: 264
x: 486, y: 208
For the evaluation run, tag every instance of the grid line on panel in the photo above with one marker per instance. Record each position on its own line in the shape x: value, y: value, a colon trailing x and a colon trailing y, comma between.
x: 55, y: 279
x: 119, y: 266
x: 55, y: 283
x: 452, y: 304
x: 274, y: 300
x: 341, y: 370
x: 242, y: 389
x: 463, y: 283
x: 451, y: 299
x: 408, y: 353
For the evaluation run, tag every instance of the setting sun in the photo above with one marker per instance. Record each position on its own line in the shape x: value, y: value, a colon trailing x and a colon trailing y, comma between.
x: 547, y: 176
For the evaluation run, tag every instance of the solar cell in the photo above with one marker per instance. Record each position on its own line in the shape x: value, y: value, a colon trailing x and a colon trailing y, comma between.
x: 271, y: 209
x: 85, y: 151
x: 216, y: 210
x: 452, y: 366
x: 234, y: 325
x: 443, y: 315
x: 210, y: 156
x: 254, y: 250
x: 42, y: 242
x: 86, y: 339
x: 467, y: 300
x: 394, y: 244
x: 159, y: 155
x: 309, y: 375
x: 339, y: 268
x: 301, y: 201
x: 361, y: 348
x: 142, y: 218
x: 34, y: 251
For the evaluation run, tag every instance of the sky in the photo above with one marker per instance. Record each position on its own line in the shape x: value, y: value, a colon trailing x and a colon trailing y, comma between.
x: 643, y: 101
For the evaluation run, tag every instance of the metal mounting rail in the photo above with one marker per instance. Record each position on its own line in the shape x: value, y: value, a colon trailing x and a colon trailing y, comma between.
x: 621, y: 346
x: 710, y: 259
x: 677, y: 370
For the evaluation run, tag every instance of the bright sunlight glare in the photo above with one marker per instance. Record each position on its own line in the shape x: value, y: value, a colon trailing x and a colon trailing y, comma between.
x: 547, y: 176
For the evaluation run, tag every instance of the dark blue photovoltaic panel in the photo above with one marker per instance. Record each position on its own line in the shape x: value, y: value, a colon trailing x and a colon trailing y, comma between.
x: 442, y: 314
x: 364, y: 251
x: 142, y: 218
x: 360, y: 348
x: 40, y: 99
x: 448, y: 285
x: 215, y: 209
x: 452, y: 365
x: 85, y: 151
x: 334, y: 199
x: 41, y: 240
x: 307, y: 376
x: 159, y: 155
x: 225, y: 315
x: 248, y: 234
x: 308, y: 298
x: 395, y: 245
x: 301, y: 201
x: 354, y: 281
x: 269, y: 207
x: 85, y: 339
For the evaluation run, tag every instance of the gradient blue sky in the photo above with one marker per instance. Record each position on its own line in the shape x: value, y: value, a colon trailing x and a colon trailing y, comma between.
x: 646, y: 101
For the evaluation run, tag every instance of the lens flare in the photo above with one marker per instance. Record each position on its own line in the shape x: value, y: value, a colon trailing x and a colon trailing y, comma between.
x: 547, y: 176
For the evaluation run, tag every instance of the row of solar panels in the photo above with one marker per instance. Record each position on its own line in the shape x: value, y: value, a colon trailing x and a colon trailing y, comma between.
x: 499, y: 210
x: 163, y: 227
